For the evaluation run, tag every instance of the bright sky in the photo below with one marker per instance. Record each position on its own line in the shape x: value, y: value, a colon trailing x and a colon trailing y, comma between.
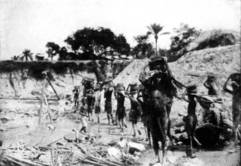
x: 32, y: 23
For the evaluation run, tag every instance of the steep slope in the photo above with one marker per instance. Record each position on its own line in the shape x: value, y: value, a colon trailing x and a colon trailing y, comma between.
x: 194, y: 66
x: 131, y: 73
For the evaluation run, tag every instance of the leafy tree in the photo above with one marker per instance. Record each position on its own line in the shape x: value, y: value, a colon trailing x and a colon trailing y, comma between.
x: 27, y: 55
x: 121, y: 45
x: 52, y: 49
x: 63, y: 53
x: 143, y: 47
x: 155, y: 29
x: 90, y: 43
x: 184, y: 36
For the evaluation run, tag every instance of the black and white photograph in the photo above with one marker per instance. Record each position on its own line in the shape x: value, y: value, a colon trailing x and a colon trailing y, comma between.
x: 120, y: 82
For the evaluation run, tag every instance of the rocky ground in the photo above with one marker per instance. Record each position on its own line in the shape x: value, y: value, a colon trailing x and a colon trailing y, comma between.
x: 55, y: 144
x: 24, y: 139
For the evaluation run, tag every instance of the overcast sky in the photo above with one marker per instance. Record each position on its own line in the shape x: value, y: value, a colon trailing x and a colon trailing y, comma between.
x: 32, y: 23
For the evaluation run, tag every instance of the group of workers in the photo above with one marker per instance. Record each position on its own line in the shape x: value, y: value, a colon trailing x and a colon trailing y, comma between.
x: 151, y: 102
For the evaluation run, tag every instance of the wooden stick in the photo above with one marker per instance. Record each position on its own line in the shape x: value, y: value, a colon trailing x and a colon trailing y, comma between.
x: 25, y: 98
x: 22, y: 161
x: 53, y: 89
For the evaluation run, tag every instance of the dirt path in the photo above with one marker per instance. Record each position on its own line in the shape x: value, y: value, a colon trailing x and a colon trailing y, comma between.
x: 203, y: 158
x: 22, y: 127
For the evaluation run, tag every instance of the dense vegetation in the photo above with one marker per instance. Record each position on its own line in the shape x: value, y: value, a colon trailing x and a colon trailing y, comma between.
x: 103, y: 45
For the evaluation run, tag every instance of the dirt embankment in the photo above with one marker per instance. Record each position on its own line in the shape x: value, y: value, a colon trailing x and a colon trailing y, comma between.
x: 17, y: 87
x: 192, y: 68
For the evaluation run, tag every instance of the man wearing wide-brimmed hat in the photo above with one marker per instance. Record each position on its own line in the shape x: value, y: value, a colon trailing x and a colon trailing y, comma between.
x: 191, y: 118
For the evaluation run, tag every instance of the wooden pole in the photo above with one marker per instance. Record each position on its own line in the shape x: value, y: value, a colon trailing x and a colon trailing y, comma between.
x: 53, y: 89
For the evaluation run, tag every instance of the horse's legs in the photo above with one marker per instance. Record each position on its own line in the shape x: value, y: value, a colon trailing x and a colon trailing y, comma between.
x: 163, y: 151
x: 134, y: 129
x: 156, y: 149
x: 148, y: 131
x: 149, y: 135
x: 168, y: 107
x: 169, y: 131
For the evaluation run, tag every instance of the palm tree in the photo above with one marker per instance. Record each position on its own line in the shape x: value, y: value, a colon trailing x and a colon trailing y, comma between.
x: 27, y: 54
x: 52, y: 49
x: 155, y: 29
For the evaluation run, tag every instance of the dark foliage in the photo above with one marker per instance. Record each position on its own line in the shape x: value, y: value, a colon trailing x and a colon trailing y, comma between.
x: 27, y: 55
x: 218, y: 39
x: 35, y: 69
x: 52, y: 49
x: 185, y: 35
x: 143, y: 48
x: 90, y: 43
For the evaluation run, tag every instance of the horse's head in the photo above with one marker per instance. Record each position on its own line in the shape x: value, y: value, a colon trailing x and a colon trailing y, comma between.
x: 159, y: 99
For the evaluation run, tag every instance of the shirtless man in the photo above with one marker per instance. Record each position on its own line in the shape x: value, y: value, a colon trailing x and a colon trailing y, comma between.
x: 76, y: 96
x: 108, y: 102
x: 98, y: 90
x: 191, y: 118
x: 120, y: 111
x: 235, y: 81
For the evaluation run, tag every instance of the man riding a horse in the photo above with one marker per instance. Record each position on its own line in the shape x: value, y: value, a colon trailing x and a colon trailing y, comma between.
x: 161, y: 87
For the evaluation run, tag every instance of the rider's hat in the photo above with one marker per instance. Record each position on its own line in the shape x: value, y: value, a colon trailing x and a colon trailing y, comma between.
x: 157, y: 60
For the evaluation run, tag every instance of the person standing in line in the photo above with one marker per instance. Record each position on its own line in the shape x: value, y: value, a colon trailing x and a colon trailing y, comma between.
x: 76, y: 96
x: 108, y: 102
x: 191, y: 119
x: 120, y: 111
x: 83, y: 115
x: 98, y: 90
